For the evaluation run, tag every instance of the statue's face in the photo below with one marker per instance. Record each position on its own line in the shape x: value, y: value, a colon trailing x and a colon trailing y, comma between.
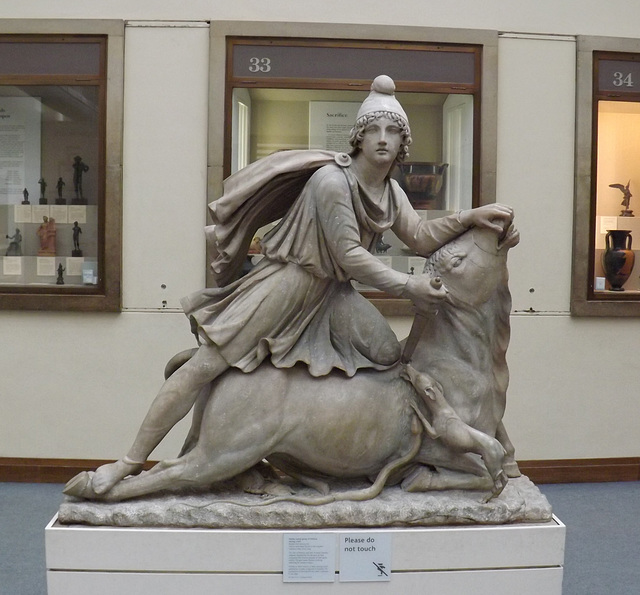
x: 381, y: 142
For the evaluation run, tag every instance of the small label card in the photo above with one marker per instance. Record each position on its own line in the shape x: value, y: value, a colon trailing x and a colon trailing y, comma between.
x: 22, y: 213
x: 74, y: 267
x: 59, y: 213
x: 77, y: 213
x: 365, y: 557
x: 45, y: 266
x: 607, y: 223
x: 12, y: 265
x: 309, y: 558
x: 39, y: 212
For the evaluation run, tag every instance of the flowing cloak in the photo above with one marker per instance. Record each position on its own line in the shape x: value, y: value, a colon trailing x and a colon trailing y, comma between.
x: 298, y: 304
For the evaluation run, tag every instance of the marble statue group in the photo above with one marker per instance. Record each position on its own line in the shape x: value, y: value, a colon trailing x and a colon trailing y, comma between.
x: 296, y: 377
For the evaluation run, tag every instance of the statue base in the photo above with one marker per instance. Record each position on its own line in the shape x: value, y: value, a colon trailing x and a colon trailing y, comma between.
x: 520, y: 502
x: 523, y: 558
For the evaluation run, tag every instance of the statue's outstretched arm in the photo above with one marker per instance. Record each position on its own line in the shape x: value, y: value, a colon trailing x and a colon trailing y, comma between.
x: 422, y: 236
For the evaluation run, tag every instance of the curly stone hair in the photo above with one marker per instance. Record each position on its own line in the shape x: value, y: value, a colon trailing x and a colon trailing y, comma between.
x: 357, y: 132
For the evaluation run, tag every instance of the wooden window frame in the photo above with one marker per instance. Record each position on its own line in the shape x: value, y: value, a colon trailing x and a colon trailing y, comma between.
x: 485, y: 118
x: 584, y: 300
x: 106, y: 294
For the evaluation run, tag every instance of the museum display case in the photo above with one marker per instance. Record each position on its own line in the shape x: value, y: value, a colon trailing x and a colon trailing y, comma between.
x: 60, y: 155
x: 605, y: 279
x: 285, y: 93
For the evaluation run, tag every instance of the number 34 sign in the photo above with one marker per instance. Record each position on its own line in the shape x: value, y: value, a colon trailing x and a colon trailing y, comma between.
x: 621, y: 79
x: 619, y: 76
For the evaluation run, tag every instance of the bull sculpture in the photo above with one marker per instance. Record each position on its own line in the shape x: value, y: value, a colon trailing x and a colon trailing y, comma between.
x: 435, y: 424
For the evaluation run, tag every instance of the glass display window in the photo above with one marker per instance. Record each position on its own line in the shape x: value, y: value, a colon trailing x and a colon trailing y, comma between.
x: 297, y: 93
x: 606, y: 278
x: 59, y: 238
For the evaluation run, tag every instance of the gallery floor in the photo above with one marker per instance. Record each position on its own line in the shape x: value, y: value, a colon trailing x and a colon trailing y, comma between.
x: 602, y: 547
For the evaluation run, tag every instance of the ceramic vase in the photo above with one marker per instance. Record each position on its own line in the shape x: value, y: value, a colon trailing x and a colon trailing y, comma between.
x: 618, y: 258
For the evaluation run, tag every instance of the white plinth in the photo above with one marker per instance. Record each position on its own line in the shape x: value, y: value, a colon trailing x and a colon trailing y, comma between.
x: 526, y: 559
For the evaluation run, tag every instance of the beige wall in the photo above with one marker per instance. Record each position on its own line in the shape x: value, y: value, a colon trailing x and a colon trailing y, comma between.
x: 77, y: 385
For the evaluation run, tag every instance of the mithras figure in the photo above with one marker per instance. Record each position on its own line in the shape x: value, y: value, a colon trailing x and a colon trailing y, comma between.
x: 76, y: 230
x: 15, y: 246
x: 43, y: 189
x: 47, y: 233
x: 60, y: 278
x: 295, y: 367
x: 79, y: 168
x: 59, y: 186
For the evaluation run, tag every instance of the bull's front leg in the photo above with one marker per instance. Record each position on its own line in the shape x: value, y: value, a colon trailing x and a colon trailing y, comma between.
x: 425, y: 479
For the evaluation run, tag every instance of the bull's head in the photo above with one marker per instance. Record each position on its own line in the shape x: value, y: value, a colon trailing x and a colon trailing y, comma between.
x: 474, y: 264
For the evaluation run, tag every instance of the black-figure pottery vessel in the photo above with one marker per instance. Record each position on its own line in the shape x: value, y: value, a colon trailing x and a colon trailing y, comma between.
x: 618, y: 258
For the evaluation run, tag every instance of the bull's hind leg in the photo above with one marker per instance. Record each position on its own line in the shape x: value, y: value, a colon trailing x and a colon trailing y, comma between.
x: 197, y: 469
x: 235, y: 436
x: 510, y: 465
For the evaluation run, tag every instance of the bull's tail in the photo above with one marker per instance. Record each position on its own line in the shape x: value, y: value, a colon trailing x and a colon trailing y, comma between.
x: 178, y: 360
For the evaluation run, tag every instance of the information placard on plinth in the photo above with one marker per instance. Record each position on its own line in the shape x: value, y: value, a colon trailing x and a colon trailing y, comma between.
x: 523, y: 558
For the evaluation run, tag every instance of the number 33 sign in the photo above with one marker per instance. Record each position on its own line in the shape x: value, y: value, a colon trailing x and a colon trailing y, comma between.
x: 259, y: 64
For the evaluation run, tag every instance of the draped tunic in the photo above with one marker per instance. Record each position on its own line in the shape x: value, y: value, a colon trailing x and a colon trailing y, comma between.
x: 298, y: 303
